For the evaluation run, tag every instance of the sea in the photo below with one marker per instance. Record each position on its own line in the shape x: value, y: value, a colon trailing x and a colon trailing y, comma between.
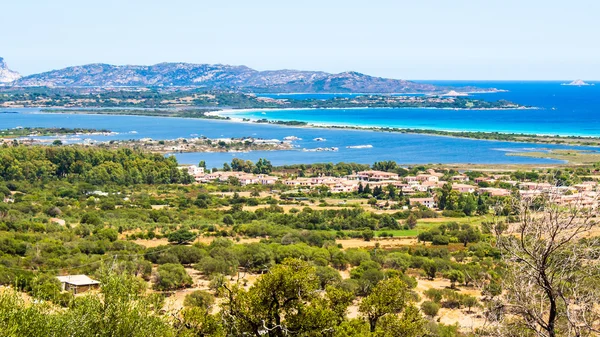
x: 560, y: 110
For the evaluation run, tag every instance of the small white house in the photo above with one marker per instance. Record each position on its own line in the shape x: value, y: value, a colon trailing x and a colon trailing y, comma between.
x: 77, y: 283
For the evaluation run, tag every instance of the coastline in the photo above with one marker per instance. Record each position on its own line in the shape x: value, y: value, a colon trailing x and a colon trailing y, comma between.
x: 536, y: 138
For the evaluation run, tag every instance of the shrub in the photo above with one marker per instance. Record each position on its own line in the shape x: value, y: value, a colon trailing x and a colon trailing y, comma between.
x: 172, y: 276
x: 199, y: 298
x: 440, y: 240
x: 430, y: 308
x: 181, y: 236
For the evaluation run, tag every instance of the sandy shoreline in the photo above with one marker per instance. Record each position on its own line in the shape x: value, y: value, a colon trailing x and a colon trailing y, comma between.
x: 224, y: 113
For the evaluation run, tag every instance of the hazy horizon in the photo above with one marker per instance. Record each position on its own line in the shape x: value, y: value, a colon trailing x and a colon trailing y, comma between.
x: 429, y: 40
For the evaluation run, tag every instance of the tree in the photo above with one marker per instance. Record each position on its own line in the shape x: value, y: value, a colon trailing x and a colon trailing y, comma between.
x: 282, y: 301
x: 550, y: 283
x: 492, y: 289
x: 121, y: 309
x: 444, y: 196
x: 228, y: 219
x: 181, y: 236
x: 482, y: 207
x: 409, y: 324
x: 327, y: 276
x: 367, y: 234
x: 467, y: 235
x: 263, y: 166
x: 391, y: 189
x: 430, y: 269
x: 470, y: 302
x: 455, y: 276
x: 388, y: 297
x: 411, y: 221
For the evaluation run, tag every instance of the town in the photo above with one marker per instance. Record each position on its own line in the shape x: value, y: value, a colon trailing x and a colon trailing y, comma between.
x: 421, y: 189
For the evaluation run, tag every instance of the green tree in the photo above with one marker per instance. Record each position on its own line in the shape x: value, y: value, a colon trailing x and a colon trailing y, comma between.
x: 430, y: 269
x: 282, y: 301
x: 181, y: 236
x: 411, y: 221
x: 388, y: 297
x: 470, y: 302
x: 455, y: 276
x: 367, y: 234
x: 409, y: 324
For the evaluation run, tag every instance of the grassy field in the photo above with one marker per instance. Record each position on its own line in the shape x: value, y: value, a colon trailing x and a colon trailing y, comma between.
x: 570, y: 156
x: 425, y: 224
x: 399, y: 232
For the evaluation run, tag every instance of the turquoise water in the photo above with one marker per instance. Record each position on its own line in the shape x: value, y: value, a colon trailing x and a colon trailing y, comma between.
x: 562, y: 110
x: 403, y: 148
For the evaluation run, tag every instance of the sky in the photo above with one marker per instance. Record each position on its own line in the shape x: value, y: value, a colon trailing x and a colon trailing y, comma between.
x: 416, y: 39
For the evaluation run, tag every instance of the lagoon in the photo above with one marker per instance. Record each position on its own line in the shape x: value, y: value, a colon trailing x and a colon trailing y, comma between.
x: 403, y: 148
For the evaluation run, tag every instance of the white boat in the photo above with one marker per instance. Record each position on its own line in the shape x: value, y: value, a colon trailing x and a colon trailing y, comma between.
x: 322, y: 149
x: 368, y: 146
x: 319, y: 139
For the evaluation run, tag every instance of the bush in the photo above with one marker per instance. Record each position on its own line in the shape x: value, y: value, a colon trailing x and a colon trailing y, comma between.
x: 434, y: 295
x: 453, y: 214
x: 199, y: 298
x: 228, y: 219
x: 440, y: 240
x: 172, y: 276
x: 108, y: 234
x: 91, y: 219
x: 430, y: 308
x: 181, y: 236
x: 367, y: 234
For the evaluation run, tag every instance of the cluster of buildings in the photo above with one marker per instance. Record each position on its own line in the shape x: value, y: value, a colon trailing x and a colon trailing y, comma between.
x: 424, y: 182
x: 583, y: 195
x: 244, y: 178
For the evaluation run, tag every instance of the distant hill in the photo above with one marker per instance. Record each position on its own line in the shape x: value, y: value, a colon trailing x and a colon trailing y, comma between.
x: 219, y: 76
x: 7, y: 75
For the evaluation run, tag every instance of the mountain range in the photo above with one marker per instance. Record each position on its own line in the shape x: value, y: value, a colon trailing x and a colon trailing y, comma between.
x: 216, y: 76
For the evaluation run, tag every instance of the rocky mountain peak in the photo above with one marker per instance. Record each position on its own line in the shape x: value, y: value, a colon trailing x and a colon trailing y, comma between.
x: 7, y: 75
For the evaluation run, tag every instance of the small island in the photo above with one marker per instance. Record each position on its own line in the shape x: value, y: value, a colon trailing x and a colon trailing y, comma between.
x: 37, y: 132
x: 578, y: 83
x: 195, y: 102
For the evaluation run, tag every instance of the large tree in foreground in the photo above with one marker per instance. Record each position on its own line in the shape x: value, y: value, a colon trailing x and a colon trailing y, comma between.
x: 553, y: 276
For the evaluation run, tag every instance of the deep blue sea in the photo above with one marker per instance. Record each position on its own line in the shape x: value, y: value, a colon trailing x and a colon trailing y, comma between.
x: 563, y: 110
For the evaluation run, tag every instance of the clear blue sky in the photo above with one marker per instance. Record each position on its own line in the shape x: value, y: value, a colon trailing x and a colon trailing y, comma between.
x: 411, y: 39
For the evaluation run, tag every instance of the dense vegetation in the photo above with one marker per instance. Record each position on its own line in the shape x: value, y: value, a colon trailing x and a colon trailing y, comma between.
x: 21, y: 132
x: 199, y: 98
x: 71, y: 210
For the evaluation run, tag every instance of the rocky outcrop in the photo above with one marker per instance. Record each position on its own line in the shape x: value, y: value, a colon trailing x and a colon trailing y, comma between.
x: 7, y: 75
